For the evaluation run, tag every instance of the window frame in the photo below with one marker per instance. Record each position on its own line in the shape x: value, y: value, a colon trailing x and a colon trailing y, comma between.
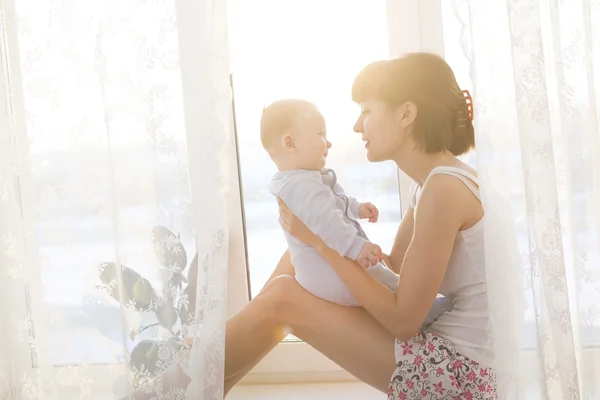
x: 413, y: 25
x: 21, y: 359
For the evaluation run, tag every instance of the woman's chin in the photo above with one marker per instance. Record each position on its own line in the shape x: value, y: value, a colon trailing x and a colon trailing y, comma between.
x: 372, y: 156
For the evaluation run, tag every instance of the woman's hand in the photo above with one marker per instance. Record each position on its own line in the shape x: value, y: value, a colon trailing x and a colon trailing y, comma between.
x: 295, y: 227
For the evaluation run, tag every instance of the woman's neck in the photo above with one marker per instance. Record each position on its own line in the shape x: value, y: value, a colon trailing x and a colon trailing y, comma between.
x: 418, y: 165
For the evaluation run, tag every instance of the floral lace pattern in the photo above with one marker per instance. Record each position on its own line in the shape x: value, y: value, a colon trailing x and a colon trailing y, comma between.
x: 114, y: 168
x: 534, y: 69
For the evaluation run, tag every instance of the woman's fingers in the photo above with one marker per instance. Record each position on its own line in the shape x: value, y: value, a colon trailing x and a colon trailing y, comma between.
x: 284, y: 215
x: 283, y: 208
x: 282, y: 205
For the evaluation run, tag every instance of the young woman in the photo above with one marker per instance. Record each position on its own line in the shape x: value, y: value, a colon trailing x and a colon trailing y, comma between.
x: 415, y: 114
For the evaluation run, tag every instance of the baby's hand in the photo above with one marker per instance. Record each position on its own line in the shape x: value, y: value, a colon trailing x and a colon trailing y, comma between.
x: 369, y: 255
x: 368, y: 210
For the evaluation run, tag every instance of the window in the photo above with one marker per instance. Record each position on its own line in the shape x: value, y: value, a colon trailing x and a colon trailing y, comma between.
x: 310, y: 50
x: 278, y: 57
x: 293, y: 49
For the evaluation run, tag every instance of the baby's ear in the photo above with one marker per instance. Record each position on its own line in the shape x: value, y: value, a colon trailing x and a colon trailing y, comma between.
x: 287, y: 141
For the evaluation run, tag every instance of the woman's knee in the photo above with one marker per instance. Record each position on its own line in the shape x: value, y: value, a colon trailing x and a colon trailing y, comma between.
x: 279, y: 296
x: 284, y: 267
x: 276, y: 289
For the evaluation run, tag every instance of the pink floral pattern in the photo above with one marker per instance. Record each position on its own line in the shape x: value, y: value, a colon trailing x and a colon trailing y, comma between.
x: 430, y: 368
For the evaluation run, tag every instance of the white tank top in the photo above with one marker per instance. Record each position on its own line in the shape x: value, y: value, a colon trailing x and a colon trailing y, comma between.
x: 467, y: 325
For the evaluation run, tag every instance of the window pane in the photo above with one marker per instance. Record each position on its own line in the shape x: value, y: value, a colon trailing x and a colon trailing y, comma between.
x: 310, y: 50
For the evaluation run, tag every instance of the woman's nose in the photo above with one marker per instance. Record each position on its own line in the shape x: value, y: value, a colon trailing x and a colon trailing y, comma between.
x: 358, y: 125
x: 328, y: 144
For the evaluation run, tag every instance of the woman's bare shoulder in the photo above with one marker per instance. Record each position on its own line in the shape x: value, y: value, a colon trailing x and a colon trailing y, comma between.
x: 454, y: 196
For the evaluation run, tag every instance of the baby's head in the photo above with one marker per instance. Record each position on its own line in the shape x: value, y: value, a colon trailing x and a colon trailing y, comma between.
x: 293, y: 133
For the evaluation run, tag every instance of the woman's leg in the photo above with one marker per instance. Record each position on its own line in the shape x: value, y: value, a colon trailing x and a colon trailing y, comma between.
x: 252, y: 356
x: 243, y: 352
x: 347, y: 335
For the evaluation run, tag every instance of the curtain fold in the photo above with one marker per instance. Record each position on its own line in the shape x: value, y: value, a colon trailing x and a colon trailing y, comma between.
x: 115, y: 142
x: 535, y: 69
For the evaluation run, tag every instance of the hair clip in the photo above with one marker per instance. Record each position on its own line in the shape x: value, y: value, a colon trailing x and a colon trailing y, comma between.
x: 469, y: 101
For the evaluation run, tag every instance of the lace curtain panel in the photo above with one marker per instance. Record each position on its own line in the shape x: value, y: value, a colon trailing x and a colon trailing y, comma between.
x: 115, y: 130
x: 535, y: 69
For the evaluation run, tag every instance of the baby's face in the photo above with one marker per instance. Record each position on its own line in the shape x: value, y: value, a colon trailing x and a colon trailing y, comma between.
x: 311, y: 143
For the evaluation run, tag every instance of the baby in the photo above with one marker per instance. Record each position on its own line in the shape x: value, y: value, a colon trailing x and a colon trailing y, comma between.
x: 293, y: 133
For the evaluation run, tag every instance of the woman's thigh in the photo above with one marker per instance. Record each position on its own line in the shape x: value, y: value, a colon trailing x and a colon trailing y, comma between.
x: 349, y: 336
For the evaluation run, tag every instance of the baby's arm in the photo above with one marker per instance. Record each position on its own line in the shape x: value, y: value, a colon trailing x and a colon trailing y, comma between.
x: 354, y: 204
x: 314, y: 204
x: 354, y: 207
x: 358, y: 210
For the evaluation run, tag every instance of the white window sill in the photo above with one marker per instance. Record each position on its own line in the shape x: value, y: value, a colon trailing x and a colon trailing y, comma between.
x: 306, y: 391
x: 346, y: 390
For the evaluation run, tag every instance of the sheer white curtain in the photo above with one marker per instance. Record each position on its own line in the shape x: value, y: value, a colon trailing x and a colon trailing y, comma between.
x: 115, y: 133
x: 535, y: 69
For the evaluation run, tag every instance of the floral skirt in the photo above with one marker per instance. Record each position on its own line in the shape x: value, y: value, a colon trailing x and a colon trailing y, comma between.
x: 430, y: 368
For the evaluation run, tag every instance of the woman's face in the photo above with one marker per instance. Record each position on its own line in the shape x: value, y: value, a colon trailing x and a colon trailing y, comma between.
x: 383, y: 129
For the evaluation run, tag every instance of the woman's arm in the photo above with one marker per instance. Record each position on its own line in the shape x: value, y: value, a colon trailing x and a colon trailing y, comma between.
x: 436, y: 223
x: 403, y: 238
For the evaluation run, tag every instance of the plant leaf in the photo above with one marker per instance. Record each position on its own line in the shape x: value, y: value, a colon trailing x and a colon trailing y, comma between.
x: 138, y: 291
x: 147, y: 354
x: 144, y: 356
x: 177, y: 280
x: 193, y: 271
x: 168, y: 249
x: 186, y: 311
x: 166, y: 315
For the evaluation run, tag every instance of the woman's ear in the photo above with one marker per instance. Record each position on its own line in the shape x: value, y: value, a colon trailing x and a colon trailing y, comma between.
x: 406, y: 114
